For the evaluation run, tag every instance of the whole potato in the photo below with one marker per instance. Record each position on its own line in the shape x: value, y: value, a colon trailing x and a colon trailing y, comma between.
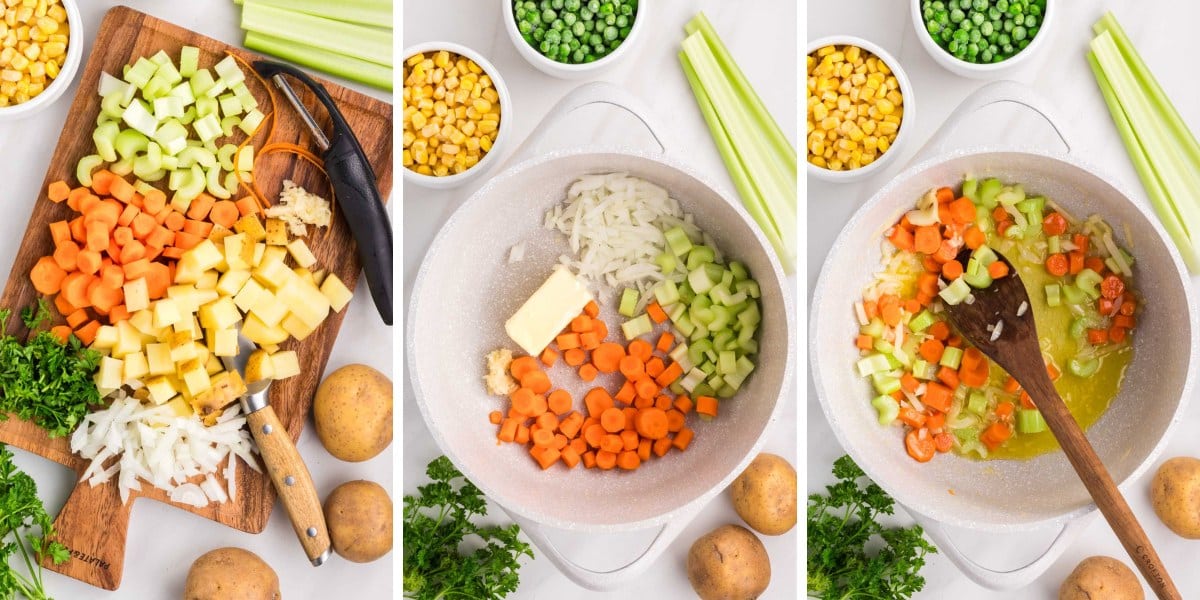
x: 1175, y: 494
x: 1101, y: 578
x: 359, y: 516
x: 728, y: 563
x: 231, y: 574
x: 764, y: 495
x: 353, y: 413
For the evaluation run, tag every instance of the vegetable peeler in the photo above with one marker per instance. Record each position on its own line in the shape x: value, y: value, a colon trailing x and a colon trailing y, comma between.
x: 353, y: 182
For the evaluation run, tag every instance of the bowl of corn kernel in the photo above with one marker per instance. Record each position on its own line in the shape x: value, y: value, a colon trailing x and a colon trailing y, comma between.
x: 858, y: 103
x: 40, y: 51
x: 455, y: 111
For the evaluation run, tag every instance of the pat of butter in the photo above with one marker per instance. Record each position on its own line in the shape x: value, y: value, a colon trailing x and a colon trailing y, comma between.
x: 548, y: 311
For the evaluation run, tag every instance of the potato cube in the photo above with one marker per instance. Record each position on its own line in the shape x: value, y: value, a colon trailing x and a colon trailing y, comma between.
x: 336, y: 292
x: 273, y: 274
x: 305, y: 274
x: 135, y: 367
x: 219, y: 233
x: 262, y: 334
x: 248, y: 295
x: 137, y: 295
x: 223, y: 342
x: 301, y: 254
x: 183, y: 352
x: 260, y: 249
x: 208, y: 280
x: 296, y: 327
x: 180, y: 407
x: 252, y: 227
x: 221, y: 314
x: 159, y: 357
x: 285, y: 364
x: 202, y: 352
x: 259, y: 367
x: 195, y: 377
x: 106, y: 338
x: 269, y: 308
x: 270, y: 348
x: 304, y: 300
x: 166, y: 313
x: 274, y: 254
x: 205, y: 255
x: 143, y: 322
x: 109, y: 375
x: 187, y: 270
x: 277, y: 233
x: 238, y: 251
x: 128, y: 340
x: 232, y: 281
x: 185, y: 326
x: 161, y: 390
x: 184, y: 296
x: 214, y: 365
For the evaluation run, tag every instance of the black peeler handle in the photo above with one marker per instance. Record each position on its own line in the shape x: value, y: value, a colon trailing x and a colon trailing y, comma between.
x: 353, y: 182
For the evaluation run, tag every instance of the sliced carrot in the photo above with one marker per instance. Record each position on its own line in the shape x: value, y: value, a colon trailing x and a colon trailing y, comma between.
x: 132, y: 252
x: 611, y: 442
x: 920, y: 445
x: 661, y: 447
x: 655, y: 367
x: 588, y: 372
x: 62, y: 332
x: 629, y: 439
x: 522, y: 365
x: 912, y: 417
x: 962, y: 210
x: 606, y: 460
x: 200, y: 206
x: 669, y: 375
x: 662, y: 402
x: 652, y: 423
x: 1075, y: 262
x: 121, y: 189
x: 683, y: 439
x: 601, y: 330
x: 87, y: 333
x: 641, y: 349
x: 224, y: 213
x: 643, y: 450
x: 545, y: 457
x: 1056, y: 265
x: 1054, y: 224
x: 864, y: 342
x: 1112, y: 287
x: 47, y: 276
x: 683, y: 404
x: 86, y: 203
x: 581, y: 324
x: 948, y: 376
x: 575, y: 357
x: 626, y: 394
x: 706, y: 405
x: 645, y: 388
x: 628, y: 460
x: 591, y: 309
x: 953, y: 269
x: 182, y: 239
x: 1096, y: 337
x: 60, y: 231
x: 112, y: 276
x: 632, y: 368
x: 158, y: 279
x: 569, y: 457
x: 88, y: 261
x: 613, y: 420
x: 58, y: 191
x: 928, y: 239
x: 607, y: 357
x: 938, y: 396
x: 541, y: 436
x: 931, y: 350
x: 974, y: 238
x: 902, y: 239
x: 567, y: 341
x: 60, y: 301
x: 549, y: 357
x: 589, y: 340
x: 656, y: 312
x: 589, y: 457
x: 143, y: 225
x: 537, y: 381
x: 597, y: 401
x: 675, y: 420
x: 665, y: 342
x: 175, y: 221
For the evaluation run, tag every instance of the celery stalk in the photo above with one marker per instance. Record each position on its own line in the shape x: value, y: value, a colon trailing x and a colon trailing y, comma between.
x: 376, y: 13
x: 367, y: 43
x: 349, y: 67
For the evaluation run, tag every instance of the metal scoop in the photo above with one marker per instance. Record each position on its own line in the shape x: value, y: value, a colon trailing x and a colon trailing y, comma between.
x: 284, y: 464
x: 353, y: 182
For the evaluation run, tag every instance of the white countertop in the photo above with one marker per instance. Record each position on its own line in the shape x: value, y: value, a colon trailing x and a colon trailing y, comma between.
x: 163, y: 541
x: 1061, y: 73
x: 762, y: 38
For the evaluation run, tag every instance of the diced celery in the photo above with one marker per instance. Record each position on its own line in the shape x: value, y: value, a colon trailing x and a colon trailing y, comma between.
x: 874, y: 328
x: 723, y: 340
x: 629, y: 300
x: 1053, y: 244
x: 1053, y: 295
x: 988, y: 190
x: 887, y: 408
x: 189, y: 60
x: 951, y: 357
x: 229, y: 71
x: 188, y: 116
x: 1078, y: 327
x: 1030, y: 421
x: 748, y: 287
x: 867, y: 365
x: 207, y: 128
x: 192, y: 187
x: 122, y: 167
x: 678, y: 241
x: 666, y: 263
x: 684, y: 325
x: 703, y: 389
x: 137, y: 117
x: 637, y: 326
x: 922, y: 321
x: 225, y: 156
x: 230, y: 105
x: 251, y: 121
x: 1088, y: 281
x: 678, y: 311
x: 140, y: 72
x: 160, y: 58
x: 1073, y: 295
x: 956, y: 292
x: 129, y: 143
x: 979, y: 280
x: 1083, y: 368
x: 884, y: 383
x: 168, y: 73
x: 144, y: 170
x: 677, y: 388
x: 715, y: 381
x: 245, y: 159
x: 700, y: 255
x: 883, y: 346
x: 977, y: 403
x: 970, y: 189
x: 728, y: 390
x: 214, y: 185
x: 83, y: 170
x: 217, y: 89
x: 231, y: 183
x: 698, y: 350
x: 193, y: 155
x: 229, y: 123
x: 202, y: 81
x: 700, y: 281
x: 750, y: 346
x: 104, y: 136
x: 206, y: 106
x: 708, y: 368
x: 692, y: 379
x: 666, y: 292
x: 170, y: 163
x: 985, y: 255
x: 168, y: 107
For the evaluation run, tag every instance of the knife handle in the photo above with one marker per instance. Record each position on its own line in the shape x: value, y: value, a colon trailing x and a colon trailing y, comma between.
x: 358, y: 198
x: 292, y: 481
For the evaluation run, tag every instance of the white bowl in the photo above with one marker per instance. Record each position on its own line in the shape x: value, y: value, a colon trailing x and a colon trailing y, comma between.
x: 572, y: 71
x: 67, y: 73
x: 981, y: 71
x: 902, y: 135
x: 491, y: 159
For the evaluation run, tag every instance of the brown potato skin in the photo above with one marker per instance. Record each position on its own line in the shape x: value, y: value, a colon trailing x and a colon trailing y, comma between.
x: 764, y: 495
x: 729, y: 563
x: 359, y: 516
x: 231, y: 574
x: 353, y: 413
x: 1175, y: 494
x: 1101, y: 578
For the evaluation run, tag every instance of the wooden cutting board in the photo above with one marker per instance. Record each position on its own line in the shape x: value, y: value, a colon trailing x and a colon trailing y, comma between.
x: 94, y: 523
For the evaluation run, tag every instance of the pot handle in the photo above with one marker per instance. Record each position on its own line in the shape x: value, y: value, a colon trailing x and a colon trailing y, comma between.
x: 993, y: 93
x: 1003, y: 580
x: 612, y: 579
x: 596, y: 92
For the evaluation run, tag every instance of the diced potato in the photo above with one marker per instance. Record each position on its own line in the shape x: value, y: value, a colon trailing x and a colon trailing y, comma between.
x: 259, y: 367
x: 262, y: 334
x: 187, y: 270
x: 219, y: 233
x: 183, y: 353
x: 248, y: 295
x: 304, y: 300
x: 305, y: 274
x: 252, y: 227
x: 205, y: 255
x: 106, y: 338
x: 213, y: 366
x: 301, y: 254
x: 195, y: 377
x: 135, y: 367
x: 259, y: 250
x: 221, y: 314
x: 223, y: 342
x: 159, y: 357
x: 161, y: 389
x: 274, y: 254
x: 128, y: 340
x: 273, y: 274
x: 269, y: 308
x: 143, y: 322
x: 184, y: 296
x: 166, y: 313
x: 286, y: 364
x: 109, y: 375
x: 270, y: 348
x: 319, y: 276
x: 180, y: 407
x: 137, y: 295
x: 238, y: 251
x: 336, y: 292
x: 186, y: 326
x: 208, y: 280
x: 232, y: 281
x: 277, y: 233
x: 296, y: 327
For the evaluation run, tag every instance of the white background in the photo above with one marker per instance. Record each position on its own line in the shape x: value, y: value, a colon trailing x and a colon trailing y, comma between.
x: 761, y: 36
x: 1060, y: 71
x: 163, y: 541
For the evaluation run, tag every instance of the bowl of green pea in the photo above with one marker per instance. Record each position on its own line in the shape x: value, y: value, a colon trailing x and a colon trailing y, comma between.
x: 573, y: 39
x: 982, y: 38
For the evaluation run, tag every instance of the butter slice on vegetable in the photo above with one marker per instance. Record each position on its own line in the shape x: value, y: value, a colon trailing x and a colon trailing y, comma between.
x: 548, y: 311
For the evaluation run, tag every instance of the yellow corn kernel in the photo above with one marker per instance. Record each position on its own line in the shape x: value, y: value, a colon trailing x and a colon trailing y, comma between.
x: 885, y: 106
x: 817, y: 160
x: 883, y: 145
x: 485, y: 143
x: 829, y: 123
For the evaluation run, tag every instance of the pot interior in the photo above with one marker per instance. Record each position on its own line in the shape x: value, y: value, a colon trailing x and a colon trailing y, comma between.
x: 1001, y: 494
x: 467, y: 290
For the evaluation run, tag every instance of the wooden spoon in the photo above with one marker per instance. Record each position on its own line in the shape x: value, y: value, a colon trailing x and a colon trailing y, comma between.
x: 1016, y: 350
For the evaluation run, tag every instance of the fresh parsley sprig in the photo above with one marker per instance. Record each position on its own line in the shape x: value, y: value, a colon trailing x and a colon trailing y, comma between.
x: 841, y: 523
x: 436, y: 522
x: 24, y: 522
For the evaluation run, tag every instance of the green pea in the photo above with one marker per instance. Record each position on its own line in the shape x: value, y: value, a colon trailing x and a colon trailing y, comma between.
x: 553, y: 36
x: 1019, y: 32
x: 957, y: 15
x: 986, y: 55
x: 986, y: 29
x: 525, y: 27
x: 548, y: 15
x: 977, y: 18
x: 979, y: 5
x: 1030, y: 20
x: 974, y: 36
x: 610, y: 33
x: 556, y: 4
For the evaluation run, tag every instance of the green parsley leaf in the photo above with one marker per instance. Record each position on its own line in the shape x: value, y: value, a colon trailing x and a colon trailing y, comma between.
x: 437, y: 521
x: 842, y: 523
x: 24, y: 522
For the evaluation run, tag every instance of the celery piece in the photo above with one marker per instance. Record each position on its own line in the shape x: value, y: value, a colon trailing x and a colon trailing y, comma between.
x: 143, y: 169
x: 168, y: 73
x: 1053, y: 295
x: 376, y: 13
x: 193, y: 155
x: 243, y: 94
x: 985, y: 255
x: 161, y: 58
x: 122, y: 167
x: 684, y: 325
x: 1073, y: 295
x: 83, y: 170
x: 977, y: 403
x: 873, y: 328
x: 956, y: 292
x: 349, y: 67
x: 192, y: 187
x: 1083, y: 368
x: 637, y: 326
x: 170, y: 163
x: 225, y: 156
x: 230, y: 105
x: 868, y: 365
x: 951, y: 357
x: 367, y: 43
x: 715, y: 381
x: 1030, y: 421
x: 883, y: 346
x: 693, y: 378
x: 678, y: 310
x: 229, y: 123
x: 177, y: 178
x: 251, y: 121
x: 168, y: 107
x: 217, y: 89
x: 738, y: 270
x: 232, y: 184
x: 922, y: 321
x: 156, y: 88
x: 189, y: 60
x: 988, y: 190
x: 1088, y: 281
x: 104, y: 136
x: 628, y: 304
x: 139, y: 118
x: 111, y: 106
x: 970, y: 189
x: 1053, y: 244
x: 700, y: 255
x: 666, y: 292
x: 206, y: 106
x: 678, y: 241
x: 142, y: 187
x: 708, y: 368
x: 979, y: 280
x: 129, y: 143
x: 140, y: 72
x: 189, y: 116
x: 700, y: 281
x: 214, y: 185
x: 201, y: 82
x: 887, y: 408
x: 748, y: 287
x: 229, y: 71
x: 885, y: 384
x: 207, y: 128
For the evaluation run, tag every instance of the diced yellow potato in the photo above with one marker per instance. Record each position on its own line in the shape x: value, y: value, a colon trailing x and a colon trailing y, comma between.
x: 213, y: 365
x: 260, y: 249
x: 232, y: 281
x: 296, y: 327
x: 301, y: 254
x: 238, y: 251
x: 319, y: 276
x: 262, y: 334
x: 187, y: 270
x: 184, y: 296
x: 269, y: 308
x: 180, y: 407
x: 221, y: 314
x: 252, y: 227
x: 202, y: 352
x: 219, y: 233
x: 195, y: 377
x: 273, y: 274
x: 208, y: 280
x: 248, y: 295
x: 135, y: 367
x: 259, y: 367
x: 183, y: 352
x: 159, y: 357
x: 143, y: 322
x: 186, y: 326
x: 205, y: 255
x: 304, y: 300
x: 277, y: 233
x: 161, y: 389
x: 285, y: 363
x: 109, y: 375
x: 336, y: 292
x: 137, y: 295
x: 270, y: 348
x: 223, y: 342
x: 166, y: 313
x: 128, y: 339
x: 106, y: 338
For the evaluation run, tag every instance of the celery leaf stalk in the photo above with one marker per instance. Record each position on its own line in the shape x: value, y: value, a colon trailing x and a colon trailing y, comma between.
x: 349, y: 67
x: 366, y: 43
x: 375, y: 13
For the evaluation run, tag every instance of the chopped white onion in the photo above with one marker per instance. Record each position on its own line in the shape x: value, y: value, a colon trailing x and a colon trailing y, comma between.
x: 516, y: 253
x: 1022, y: 308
